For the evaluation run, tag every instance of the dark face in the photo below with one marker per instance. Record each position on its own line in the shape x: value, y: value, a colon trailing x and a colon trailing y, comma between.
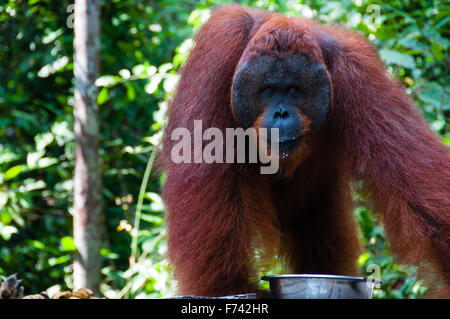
x: 291, y: 93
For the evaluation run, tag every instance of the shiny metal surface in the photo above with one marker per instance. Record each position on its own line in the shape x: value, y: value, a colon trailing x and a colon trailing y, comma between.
x: 309, y: 286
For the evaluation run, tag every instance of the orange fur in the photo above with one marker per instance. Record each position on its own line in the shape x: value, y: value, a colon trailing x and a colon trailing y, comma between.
x: 373, y: 134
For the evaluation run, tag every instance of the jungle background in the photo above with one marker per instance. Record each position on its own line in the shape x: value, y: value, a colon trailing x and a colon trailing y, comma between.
x: 143, y: 44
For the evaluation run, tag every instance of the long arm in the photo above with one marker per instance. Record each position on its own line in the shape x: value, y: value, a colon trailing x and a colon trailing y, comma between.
x: 391, y: 147
x: 210, y: 224
x: 212, y: 221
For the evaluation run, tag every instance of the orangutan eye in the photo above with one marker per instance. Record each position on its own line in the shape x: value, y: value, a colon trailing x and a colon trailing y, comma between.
x: 269, y: 90
x: 293, y: 90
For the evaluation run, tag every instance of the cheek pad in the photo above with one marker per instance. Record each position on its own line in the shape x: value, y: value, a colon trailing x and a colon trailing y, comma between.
x: 244, y: 91
x: 320, y: 98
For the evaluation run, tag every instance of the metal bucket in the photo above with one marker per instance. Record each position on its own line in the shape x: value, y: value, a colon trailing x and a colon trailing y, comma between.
x: 319, y: 287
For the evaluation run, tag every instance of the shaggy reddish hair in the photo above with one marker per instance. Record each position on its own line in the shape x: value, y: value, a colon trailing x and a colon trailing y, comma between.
x: 217, y: 214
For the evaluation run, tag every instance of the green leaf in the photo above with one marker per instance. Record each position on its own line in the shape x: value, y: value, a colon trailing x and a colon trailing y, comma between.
x: 68, y: 244
x: 46, y: 162
x: 53, y: 261
x: 7, y: 156
x: 437, y: 125
x: 139, y: 69
x: 131, y: 92
x: 38, y: 244
x: 107, y: 253
x: 151, y: 218
x: 151, y: 87
x: 107, y: 80
x: 433, y: 94
x: 394, y: 57
x: 13, y: 172
x: 362, y: 259
x: 125, y: 73
x: 34, y: 157
x: 3, y: 199
x: 7, y: 231
x: 50, y: 37
x: 42, y: 140
x: 437, y: 51
x: 447, y: 140
x: 442, y: 23
x: 103, y: 96
x: 32, y: 185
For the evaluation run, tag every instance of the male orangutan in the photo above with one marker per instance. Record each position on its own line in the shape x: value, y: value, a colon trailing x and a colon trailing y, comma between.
x: 340, y: 117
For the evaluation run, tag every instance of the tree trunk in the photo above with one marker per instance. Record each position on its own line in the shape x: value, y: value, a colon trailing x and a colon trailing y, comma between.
x: 88, y: 209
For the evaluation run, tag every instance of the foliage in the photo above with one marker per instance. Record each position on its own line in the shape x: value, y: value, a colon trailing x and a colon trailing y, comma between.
x: 143, y: 44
